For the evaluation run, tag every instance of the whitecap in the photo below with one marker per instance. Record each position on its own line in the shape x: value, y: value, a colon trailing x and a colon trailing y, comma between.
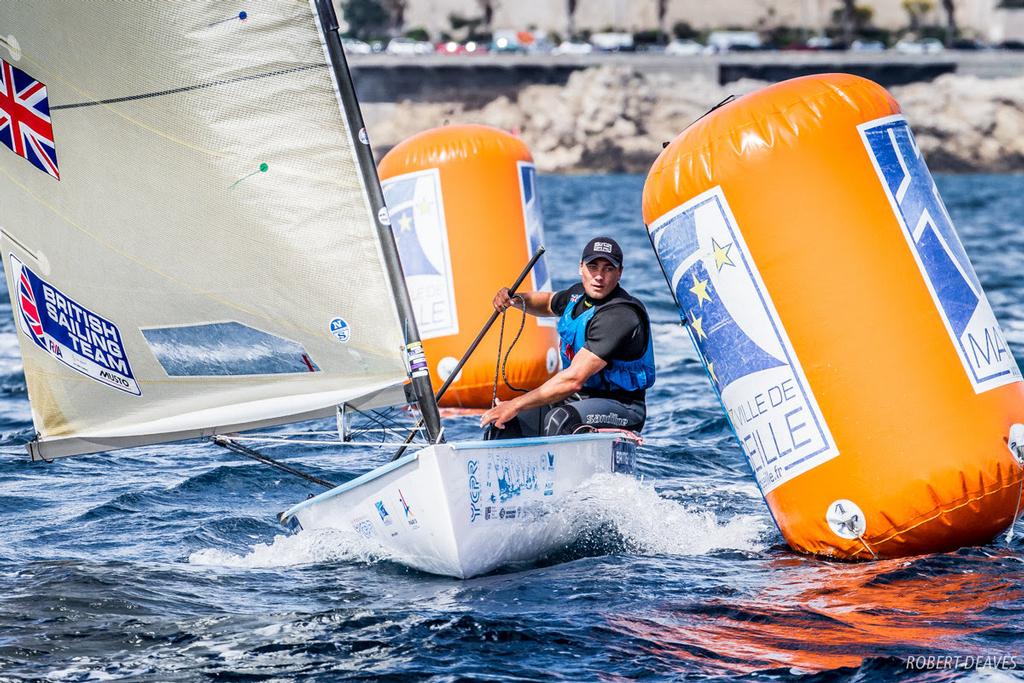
x: 314, y: 546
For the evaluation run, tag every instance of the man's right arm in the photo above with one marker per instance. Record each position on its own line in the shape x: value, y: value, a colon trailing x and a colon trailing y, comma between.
x: 537, y: 303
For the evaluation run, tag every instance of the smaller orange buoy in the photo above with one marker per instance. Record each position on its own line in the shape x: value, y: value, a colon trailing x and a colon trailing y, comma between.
x: 466, y: 217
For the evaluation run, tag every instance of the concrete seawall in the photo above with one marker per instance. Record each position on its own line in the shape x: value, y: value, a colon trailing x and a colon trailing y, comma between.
x: 475, y: 80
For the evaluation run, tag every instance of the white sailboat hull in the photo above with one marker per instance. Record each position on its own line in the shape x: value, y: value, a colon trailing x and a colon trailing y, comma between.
x: 465, y: 509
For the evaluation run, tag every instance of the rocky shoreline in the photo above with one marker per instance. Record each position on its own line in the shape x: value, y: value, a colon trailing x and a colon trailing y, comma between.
x: 614, y: 119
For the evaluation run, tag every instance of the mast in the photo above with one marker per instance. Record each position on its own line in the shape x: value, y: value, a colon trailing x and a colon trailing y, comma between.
x: 423, y: 390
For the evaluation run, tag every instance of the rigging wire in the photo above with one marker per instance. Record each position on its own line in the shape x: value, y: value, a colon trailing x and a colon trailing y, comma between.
x: 225, y: 442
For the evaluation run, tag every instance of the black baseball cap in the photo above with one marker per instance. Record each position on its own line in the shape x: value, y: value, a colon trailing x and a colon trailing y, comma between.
x: 602, y: 247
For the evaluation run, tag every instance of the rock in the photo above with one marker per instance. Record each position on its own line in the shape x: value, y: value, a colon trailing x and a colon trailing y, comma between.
x: 967, y: 124
x: 615, y: 119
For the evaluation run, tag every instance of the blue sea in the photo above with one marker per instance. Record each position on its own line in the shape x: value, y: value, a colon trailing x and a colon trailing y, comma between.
x: 167, y: 563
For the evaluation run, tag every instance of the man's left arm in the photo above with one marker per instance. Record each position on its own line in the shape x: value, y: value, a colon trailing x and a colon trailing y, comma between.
x: 564, y: 384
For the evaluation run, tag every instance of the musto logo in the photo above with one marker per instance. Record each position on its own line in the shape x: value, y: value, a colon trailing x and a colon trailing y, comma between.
x: 70, y: 333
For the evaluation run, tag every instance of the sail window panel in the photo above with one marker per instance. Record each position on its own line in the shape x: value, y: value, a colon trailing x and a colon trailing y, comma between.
x: 225, y: 348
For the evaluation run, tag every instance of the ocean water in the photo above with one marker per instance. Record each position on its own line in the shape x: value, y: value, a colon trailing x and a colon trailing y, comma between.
x: 167, y: 564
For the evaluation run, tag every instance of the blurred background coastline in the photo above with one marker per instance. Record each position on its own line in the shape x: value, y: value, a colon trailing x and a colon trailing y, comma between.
x: 599, y: 85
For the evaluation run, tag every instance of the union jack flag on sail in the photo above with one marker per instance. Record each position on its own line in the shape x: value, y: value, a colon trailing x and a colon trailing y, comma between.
x: 25, y: 126
x: 29, y: 311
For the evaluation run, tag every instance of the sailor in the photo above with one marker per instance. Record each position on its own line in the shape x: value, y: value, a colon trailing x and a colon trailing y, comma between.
x: 607, y: 355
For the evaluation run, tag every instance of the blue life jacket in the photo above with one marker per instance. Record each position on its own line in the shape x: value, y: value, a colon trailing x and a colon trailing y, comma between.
x: 619, y: 376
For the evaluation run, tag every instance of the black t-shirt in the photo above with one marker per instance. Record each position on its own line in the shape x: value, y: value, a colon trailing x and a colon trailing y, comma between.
x: 615, y: 332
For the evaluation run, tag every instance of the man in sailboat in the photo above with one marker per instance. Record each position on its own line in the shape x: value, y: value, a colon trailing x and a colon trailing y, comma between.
x: 607, y: 354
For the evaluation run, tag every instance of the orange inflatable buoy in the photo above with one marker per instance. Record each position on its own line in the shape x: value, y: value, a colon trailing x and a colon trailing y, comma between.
x: 840, y: 320
x: 466, y: 216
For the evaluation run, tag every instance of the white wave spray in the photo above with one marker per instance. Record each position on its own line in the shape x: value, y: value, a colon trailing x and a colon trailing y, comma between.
x: 315, y: 546
x: 609, y: 511
x: 649, y: 523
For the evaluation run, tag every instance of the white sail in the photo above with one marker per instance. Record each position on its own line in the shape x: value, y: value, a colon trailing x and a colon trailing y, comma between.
x: 188, y: 243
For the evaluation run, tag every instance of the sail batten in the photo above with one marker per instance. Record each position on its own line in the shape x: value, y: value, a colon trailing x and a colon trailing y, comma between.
x: 189, y: 243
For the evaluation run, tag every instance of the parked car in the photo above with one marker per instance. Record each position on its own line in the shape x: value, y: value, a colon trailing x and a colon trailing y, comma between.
x: 684, y: 48
x: 541, y: 44
x: 968, y: 44
x: 820, y: 43
x: 570, y: 47
x: 728, y: 41
x: 356, y: 47
x: 928, y: 46
x: 867, y: 46
x: 408, y: 46
x: 1014, y: 45
x: 506, y: 40
x: 613, y: 42
x: 452, y: 47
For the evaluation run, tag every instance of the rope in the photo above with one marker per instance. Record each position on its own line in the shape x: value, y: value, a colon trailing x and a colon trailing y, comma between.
x: 500, y: 364
x: 865, y: 544
x: 851, y: 526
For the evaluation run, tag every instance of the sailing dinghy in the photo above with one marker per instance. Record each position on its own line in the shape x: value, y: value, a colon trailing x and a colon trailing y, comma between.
x: 196, y: 244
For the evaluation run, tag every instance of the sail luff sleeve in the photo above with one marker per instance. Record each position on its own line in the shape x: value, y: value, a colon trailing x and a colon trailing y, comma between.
x: 421, y: 383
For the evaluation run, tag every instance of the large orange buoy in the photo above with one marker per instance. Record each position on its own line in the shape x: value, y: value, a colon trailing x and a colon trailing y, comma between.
x: 466, y: 216
x: 840, y: 320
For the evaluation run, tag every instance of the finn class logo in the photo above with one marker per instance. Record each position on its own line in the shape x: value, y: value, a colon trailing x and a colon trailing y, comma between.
x: 25, y: 126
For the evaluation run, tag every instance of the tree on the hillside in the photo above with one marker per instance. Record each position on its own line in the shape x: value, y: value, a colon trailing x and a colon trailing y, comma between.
x: 952, y: 30
x: 396, y: 12
x: 848, y: 20
x: 570, y: 22
x: 662, y: 14
x: 916, y: 11
x: 852, y: 19
x: 487, y: 7
x: 365, y: 18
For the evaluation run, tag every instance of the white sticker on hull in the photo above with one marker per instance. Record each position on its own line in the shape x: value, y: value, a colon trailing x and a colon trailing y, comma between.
x: 741, y: 340
x: 502, y: 483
